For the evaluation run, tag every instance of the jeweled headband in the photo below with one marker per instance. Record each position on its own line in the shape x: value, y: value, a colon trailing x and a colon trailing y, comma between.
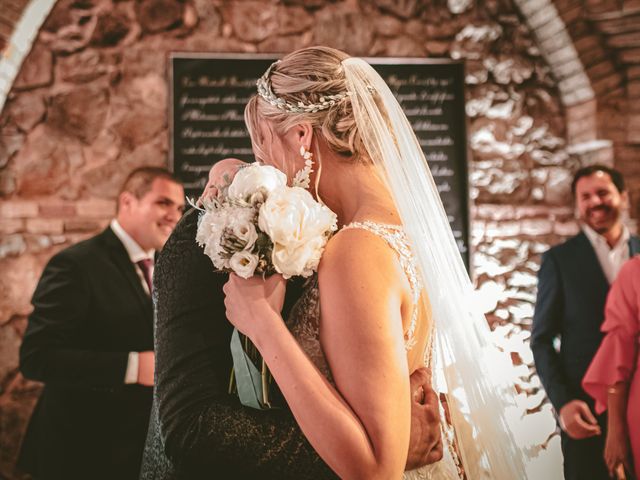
x: 265, y: 91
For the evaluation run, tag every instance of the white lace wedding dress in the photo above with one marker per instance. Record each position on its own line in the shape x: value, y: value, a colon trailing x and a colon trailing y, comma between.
x: 304, y: 323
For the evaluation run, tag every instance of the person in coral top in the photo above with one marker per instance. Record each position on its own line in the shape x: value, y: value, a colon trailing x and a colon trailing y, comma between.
x: 613, y: 378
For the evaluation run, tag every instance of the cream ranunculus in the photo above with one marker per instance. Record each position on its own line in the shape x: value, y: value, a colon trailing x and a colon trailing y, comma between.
x: 244, y: 263
x: 255, y: 178
x: 299, y: 228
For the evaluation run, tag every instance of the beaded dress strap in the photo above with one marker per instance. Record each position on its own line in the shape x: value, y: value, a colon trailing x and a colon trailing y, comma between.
x: 396, y: 239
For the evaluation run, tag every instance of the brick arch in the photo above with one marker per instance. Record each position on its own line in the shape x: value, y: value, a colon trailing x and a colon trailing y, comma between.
x: 21, y: 21
x: 574, y: 83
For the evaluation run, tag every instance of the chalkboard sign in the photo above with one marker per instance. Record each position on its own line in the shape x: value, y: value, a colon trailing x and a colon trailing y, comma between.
x: 210, y: 91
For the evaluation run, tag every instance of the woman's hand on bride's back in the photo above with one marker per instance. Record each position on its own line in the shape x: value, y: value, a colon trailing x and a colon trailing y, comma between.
x: 252, y: 303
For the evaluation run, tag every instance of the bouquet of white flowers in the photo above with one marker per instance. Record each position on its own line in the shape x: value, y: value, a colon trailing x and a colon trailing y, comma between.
x: 259, y: 225
x: 256, y: 224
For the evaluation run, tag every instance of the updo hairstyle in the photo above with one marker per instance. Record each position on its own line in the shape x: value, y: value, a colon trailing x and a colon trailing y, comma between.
x: 308, y: 76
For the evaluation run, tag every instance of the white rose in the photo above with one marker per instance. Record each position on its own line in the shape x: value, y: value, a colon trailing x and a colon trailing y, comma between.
x: 302, y: 259
x: 291, y: 216
x: 253, y: 179
x: 241, y: 223
x: 243, y: 263
x: 299, y: 228
x: 246, y: 233
x: 208, y: 236
x: 214, y: 226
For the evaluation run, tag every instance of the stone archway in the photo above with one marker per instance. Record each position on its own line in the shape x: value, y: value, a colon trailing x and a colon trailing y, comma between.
x: 18, y: 45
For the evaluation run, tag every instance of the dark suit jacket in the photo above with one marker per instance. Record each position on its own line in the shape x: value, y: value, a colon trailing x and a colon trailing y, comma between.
x: 572, y: 291
x: 90, y: 311
x: 197, y: 429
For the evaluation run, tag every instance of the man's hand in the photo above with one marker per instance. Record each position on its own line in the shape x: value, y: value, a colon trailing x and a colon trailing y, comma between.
x: 146, y: 367
x: 577, y: 420
x: 425, y: 442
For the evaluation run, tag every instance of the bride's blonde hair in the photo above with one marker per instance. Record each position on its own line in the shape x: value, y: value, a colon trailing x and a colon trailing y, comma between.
x: 308, y: 76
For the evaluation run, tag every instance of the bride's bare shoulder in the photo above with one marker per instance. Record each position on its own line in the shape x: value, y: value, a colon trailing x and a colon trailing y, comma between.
x: 353, y: 252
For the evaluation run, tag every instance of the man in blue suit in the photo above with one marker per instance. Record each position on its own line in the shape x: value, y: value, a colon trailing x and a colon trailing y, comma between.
x: 573, y: 283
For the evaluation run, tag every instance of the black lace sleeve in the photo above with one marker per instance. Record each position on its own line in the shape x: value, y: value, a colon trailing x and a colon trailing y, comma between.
x: 205, y: 431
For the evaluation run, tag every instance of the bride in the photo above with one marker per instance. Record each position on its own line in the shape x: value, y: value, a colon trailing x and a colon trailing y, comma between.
x: 390, y: 294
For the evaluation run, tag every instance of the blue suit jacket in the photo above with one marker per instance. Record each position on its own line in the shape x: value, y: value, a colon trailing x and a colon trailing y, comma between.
x: 572, y: 291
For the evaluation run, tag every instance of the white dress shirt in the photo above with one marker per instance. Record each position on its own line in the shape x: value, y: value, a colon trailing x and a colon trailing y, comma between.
x: 610, y: 258
x: 136, y: 253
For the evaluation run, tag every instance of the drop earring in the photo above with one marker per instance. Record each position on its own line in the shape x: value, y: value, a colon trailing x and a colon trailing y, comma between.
x: 303, y: 177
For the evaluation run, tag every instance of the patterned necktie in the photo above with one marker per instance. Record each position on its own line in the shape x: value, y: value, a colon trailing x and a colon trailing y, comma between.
x: 145, y: 265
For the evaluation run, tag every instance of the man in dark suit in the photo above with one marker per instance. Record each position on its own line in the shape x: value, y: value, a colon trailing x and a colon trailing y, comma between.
x: 573, y: 283
x: 90, y: 340
x: 198, y: 430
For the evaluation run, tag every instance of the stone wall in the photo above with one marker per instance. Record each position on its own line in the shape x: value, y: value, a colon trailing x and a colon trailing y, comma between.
x: 90, y: 103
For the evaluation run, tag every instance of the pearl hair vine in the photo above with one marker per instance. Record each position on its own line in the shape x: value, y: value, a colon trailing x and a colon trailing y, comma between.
x: 266, y: 92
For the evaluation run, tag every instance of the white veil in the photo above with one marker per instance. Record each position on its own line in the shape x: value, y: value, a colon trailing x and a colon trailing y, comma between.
x: 479, y: 379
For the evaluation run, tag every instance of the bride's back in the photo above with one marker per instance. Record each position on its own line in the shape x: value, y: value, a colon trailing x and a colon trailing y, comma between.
x: 395, y: 277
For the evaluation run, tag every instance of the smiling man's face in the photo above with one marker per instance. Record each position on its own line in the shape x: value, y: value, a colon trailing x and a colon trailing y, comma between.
x: 151, y: 218
x: 599, y: 202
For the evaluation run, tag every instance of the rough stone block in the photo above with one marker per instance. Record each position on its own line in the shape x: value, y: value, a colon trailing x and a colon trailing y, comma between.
x: 42, y: 165
x: 111, y: 27
x: 554, y: 29
x: 45, y: 225
x: 600, y: 70
x: 633, y: 89
x: 96, y: 208
x: 37, y: 69
x: 27, y: 110
x: 12, y: 245
x: 57, y: 210
x: 574, y: 82
x: 607, y: 83
x: 561, y: 56
x: 536, y: 227
x: 335, y: 26
x: 593, y: 152
x: 81, y: 225
x: 158, y: 15
x: 582, y: 122
x: 633, y: 129
x: 633, y: 72
x: 582, y: 110
x: 11, y: 225
x: 569, y: 69
x: 493, y: 212
x: 502, y: 229
x: 580, y: 95
x: 565, y: 5
x: 529, y: 7
x: 542, y: 16
x: 566, y: 229
x: 572, y: 13
x: 18, y: 209
x: 532, y: 211
x: 69, y: 113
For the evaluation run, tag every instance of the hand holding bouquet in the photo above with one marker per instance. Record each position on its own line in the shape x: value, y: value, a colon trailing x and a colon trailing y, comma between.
x: 257, y: 225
